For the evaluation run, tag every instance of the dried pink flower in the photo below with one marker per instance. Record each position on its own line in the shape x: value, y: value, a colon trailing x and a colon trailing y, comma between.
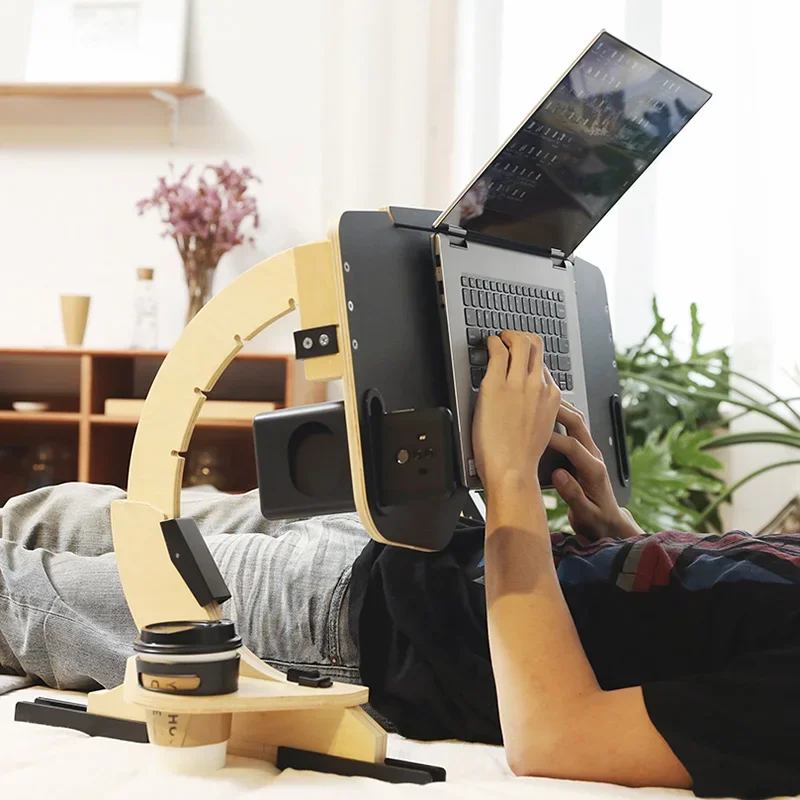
x: 206, y: 220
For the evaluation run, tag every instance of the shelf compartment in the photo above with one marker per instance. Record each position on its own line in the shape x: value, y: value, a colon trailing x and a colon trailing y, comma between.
x: 111, y: 446
x: 18, y: 443
x: 52, y: 378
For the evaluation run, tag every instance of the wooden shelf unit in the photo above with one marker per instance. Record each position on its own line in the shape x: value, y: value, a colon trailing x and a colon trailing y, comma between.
x: 92, y: 447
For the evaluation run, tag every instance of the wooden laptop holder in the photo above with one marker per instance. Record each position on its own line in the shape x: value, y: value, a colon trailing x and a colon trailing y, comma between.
x: 369, y: 312
x: 367, y: 305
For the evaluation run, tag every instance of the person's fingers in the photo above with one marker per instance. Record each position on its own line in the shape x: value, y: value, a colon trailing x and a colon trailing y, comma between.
x: 519, y: 348
x: 548, y: 377
x: 572, y: 419
x: 572, y: 494
x: 536, y: 359
x: 498, y: 359
x: 589, y: 466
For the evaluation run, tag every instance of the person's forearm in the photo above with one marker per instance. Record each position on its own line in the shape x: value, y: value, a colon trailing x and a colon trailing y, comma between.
x: 541, y: 670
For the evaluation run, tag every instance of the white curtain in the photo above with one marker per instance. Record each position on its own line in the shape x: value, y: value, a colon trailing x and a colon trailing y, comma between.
x: 388, y: 103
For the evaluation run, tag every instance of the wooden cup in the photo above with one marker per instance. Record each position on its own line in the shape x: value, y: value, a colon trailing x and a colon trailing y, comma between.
x: 74, y: 313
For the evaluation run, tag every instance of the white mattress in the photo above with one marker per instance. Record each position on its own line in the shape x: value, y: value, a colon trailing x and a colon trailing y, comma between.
x: 53, y: 763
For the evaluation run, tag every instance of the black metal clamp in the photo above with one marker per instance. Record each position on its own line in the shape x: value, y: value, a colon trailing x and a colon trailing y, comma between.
x: 316, y: 342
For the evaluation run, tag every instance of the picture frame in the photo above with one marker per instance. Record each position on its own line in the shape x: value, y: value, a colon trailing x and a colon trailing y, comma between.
x: 107, y: 41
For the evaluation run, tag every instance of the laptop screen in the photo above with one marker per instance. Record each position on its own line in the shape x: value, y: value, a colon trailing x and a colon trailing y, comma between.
x: 580, y: 150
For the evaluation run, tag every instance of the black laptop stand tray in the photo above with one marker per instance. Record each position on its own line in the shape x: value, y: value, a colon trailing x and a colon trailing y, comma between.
x: 400, y: 375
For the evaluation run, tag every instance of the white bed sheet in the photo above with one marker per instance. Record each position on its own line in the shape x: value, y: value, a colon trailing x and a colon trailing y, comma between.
x: 53, y: 763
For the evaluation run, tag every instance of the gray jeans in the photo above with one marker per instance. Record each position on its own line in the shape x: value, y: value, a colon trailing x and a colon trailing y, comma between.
x: 63, y: 615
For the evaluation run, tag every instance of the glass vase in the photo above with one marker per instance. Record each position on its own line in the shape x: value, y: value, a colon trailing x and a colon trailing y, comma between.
x: 199, y: 280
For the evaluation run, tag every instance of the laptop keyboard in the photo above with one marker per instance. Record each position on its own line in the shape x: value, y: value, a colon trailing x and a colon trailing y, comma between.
x: 492, y: 306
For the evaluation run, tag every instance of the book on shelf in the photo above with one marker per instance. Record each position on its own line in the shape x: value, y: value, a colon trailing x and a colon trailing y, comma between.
x: 211, y: 409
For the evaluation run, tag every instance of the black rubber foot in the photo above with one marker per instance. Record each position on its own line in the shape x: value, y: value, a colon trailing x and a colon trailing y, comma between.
x: 392, y: 770
x: 60, y: 714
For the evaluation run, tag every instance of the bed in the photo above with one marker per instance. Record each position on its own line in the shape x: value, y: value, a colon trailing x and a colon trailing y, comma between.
x: 55, y: 763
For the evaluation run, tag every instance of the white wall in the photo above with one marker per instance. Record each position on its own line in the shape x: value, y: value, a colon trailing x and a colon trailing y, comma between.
x: 327, y: 100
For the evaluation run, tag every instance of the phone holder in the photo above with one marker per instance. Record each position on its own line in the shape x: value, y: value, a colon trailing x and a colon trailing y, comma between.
x: 369, y: 316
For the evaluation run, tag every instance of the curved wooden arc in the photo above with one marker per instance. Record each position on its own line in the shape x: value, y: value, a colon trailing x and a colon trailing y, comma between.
x: 153, y: 587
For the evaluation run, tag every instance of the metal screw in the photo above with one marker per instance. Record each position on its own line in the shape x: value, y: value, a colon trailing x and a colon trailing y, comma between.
x: 307, y: 343
x: 346, y: 267
x: 355, y: 344
x: 324, y: 340
x: 610, y: 338
x: 614, y: 362
x: 350, y: 305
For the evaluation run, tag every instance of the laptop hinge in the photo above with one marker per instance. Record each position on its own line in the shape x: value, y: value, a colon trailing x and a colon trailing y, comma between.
x: 558, y: 258
x: 457, y: 236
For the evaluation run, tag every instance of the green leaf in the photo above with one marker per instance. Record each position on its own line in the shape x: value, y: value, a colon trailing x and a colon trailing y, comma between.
x: 665, y: 470
x: 687, y: 450
x: 697, y: 329
x: 754, y: 437
x: 665, y: 337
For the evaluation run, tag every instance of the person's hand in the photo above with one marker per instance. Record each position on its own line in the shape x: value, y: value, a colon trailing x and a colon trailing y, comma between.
x: 516, y: 410
x: 593, y: 509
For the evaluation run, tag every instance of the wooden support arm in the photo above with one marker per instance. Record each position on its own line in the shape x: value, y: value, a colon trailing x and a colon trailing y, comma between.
x: 153, y: 587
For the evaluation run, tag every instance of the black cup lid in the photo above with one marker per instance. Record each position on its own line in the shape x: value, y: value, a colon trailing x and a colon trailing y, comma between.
x: 188, y: 638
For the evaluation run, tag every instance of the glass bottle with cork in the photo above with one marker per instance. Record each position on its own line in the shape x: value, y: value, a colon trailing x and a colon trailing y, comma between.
x: 145, y: 331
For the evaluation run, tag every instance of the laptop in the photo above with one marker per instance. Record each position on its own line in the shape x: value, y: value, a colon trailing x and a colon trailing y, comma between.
x: 504, y: 247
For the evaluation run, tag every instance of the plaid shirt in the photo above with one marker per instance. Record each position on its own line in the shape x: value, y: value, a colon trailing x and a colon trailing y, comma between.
x: 691, y: 561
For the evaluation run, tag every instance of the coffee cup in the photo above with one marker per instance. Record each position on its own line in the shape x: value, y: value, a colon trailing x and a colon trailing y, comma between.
x: 189, y: 658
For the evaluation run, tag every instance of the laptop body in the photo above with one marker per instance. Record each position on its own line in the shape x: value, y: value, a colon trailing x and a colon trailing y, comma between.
x: 504, y: 247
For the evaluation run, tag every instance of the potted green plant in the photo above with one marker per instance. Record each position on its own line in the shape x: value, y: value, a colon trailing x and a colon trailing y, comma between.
x: 679, y: 403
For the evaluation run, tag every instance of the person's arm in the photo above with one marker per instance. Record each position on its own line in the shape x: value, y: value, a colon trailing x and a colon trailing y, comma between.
x: 556, y: 720
x: 593, y: 509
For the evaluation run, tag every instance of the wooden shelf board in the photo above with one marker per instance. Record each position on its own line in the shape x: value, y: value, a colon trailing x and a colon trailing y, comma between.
x: 97, y: 89
x: 99, y: 353
x: 40, y: 416
x: 102, y: 419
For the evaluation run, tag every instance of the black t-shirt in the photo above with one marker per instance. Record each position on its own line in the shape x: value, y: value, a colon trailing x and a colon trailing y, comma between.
x: 709, y: 626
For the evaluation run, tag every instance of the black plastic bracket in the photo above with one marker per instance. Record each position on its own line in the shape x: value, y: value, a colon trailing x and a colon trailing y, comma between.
x: 316, y: 342
x: 60, y: 714
x: 620, y: 439
x: 193, y: 560
x: 308, y: 677
x: 392, y: 770
x: 413, y: 453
